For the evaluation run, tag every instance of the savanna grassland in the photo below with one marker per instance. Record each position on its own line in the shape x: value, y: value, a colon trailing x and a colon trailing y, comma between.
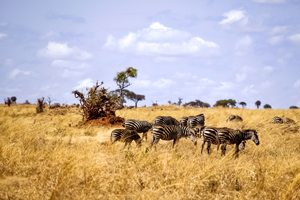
x: 50, y: 156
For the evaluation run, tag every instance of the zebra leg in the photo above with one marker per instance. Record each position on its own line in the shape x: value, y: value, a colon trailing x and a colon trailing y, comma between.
x: 125, y: 145
x: 208, y: 147
x: 175, y: 142
x: 129, y: 144
x: 145, y: 136
x: 154, y: 142
x: 203, y: 143
x: 223, y: 148
x: 236, y: 153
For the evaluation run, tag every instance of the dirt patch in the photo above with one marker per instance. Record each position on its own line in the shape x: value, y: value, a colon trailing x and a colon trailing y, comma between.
x: 106, y: 121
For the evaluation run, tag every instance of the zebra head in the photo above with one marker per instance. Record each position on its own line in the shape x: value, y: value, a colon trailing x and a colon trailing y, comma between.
x: 193, y: 136
x: 252, y: 134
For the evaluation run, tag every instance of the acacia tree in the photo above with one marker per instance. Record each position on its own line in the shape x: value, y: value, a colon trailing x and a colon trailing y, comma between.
x: 257, y: 103
x: 123, y: 82
x: 225, y: 103
x: 243, y: 104
x: 135, y: 97
x: 13, y: 99
x: 267, y: 106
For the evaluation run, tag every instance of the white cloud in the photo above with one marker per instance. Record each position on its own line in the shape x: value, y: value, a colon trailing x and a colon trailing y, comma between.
x: 49, y: 35
x: 162, y: 41
x: 2, y: 35
x: 70, y: 73
x: 9, y: 62
x: 268, y: 69
x: 249, y: 89
x: 141, y: 83
x: 266, y: 84
x: 276, y: 39
x: 163, y: 83
x: 278, y: 29
x: 295, y: 38
x: 240, y: 77
x: 16, y: 71
x: 269, y: 1
x: 243, y: 45
x: 57, y: 50
x: 297, y: 84
x: 88, y: 82
x: 69, y: 64
x: 234, y: 16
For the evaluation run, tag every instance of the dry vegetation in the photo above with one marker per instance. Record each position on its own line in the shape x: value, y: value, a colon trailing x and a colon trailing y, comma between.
x: 48, y: 156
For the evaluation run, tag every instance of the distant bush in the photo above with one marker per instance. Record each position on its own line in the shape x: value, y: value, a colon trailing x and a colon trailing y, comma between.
x: 267, y: 106
x: 294, y: 107
x: 98, y: 103
x: 26, y: 102
x: 7, y: 101
x: 40, y: 105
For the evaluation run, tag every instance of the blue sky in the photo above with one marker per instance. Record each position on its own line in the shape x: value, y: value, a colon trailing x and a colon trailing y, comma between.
x: 208, y: 50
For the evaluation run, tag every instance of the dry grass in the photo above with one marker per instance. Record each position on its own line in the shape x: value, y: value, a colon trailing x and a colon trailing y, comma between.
x: 46, y: 156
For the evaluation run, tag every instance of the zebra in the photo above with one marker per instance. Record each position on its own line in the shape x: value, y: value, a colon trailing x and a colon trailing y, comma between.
x: 230, y: 136
x: 197, y: 120
x: 173, y: 132
x: 234, y: 118
x: 183, y: 121
x: 139, y: 126
x: 288, y: 121
x: 209, y: 135
x: 165, y: 120
x: 226, y: 136
x: 277, y: 120
x: 126, y: 136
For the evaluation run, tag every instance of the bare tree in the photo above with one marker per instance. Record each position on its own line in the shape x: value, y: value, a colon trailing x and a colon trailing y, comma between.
x: 98, y: 103
x: 49, y: 100
x: 7, y: 101
x: 179, y: 101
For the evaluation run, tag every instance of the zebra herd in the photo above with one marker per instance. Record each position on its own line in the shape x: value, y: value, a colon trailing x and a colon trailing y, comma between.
x: 193, y: 127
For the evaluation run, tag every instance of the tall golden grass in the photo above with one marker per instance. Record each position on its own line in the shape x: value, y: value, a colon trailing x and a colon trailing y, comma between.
x: 46, y: 156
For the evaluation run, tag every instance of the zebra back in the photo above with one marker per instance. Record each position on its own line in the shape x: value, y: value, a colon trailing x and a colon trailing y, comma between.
x: 183, y: 121
x: 231, y: 136
x: 165, y: 120
x: 197, y: 120
x: 169, y: 132
x: 277, y: 120
x: 234, y: 118
x: 211, y: 134
x: 288, y: 121
x: 125, y: 135
x: 139, y: 126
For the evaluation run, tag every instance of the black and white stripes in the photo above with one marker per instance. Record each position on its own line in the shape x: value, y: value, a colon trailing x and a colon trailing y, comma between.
x: 126, y: 136
x: 165, y: 120
x: 172, y: 132
x: 139, y: 126
x: 225, y: 136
